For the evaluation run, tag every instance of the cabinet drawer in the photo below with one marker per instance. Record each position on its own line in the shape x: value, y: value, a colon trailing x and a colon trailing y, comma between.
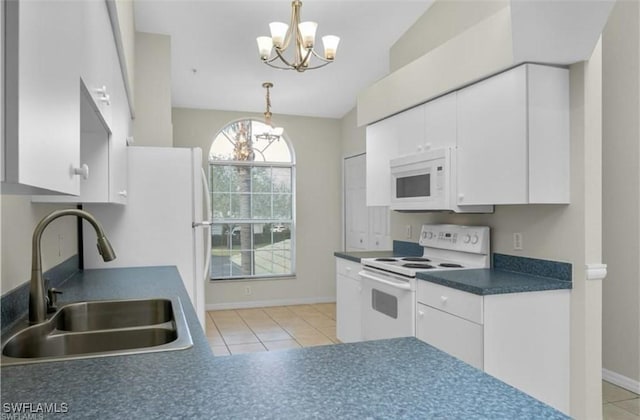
x: 347, y: 268
x: 456, y: 302
x: 458, y: 337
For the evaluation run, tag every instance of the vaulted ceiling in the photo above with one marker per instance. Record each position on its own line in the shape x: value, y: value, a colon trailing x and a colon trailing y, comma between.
x: 215, y: 63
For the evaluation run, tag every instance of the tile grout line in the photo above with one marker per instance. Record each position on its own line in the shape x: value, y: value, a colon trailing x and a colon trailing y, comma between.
x: 219, y: 332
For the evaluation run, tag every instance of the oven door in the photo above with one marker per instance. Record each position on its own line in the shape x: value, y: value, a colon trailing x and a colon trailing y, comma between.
x: 419, y: 182
x: 388, y: 306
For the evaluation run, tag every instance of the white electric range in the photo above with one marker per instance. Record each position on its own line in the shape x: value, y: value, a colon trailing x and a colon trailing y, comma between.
x: 389, y: 284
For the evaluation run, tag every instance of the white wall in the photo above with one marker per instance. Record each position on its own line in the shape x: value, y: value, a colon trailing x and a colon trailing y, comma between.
x: 621, y: 196
x: 435, y: 27
x: 317, y: 146
x: 19, y: 218
x: 152, y: 124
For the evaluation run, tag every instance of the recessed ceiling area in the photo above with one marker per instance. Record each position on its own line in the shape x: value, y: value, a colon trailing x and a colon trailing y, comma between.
x: 218, y: 40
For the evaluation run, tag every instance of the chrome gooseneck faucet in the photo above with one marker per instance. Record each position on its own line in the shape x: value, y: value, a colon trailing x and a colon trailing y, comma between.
x: 37, y: 302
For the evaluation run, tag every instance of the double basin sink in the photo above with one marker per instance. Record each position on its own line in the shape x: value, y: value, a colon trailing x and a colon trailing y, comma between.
x: 101, y: 328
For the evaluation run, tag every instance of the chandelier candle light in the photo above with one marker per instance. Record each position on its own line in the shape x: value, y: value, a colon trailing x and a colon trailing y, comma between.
x: 303, y: 35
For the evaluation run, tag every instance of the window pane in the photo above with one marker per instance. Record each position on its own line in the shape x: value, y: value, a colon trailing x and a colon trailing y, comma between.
x: 281, y: 262
x: 282, y: 206
x: 261, y: 179
x: 240, y: 206
x: 282, y: 180
x: 281, y: 235
x: 221, y: 178
x: 221, y: 205
x: 242, y: 263
x: 261, y: 206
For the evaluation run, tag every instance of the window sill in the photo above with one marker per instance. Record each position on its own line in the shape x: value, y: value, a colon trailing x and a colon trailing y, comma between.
x: 255, y: 278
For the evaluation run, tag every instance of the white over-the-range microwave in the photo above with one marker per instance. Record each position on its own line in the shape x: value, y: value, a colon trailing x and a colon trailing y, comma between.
x: 426, y: 181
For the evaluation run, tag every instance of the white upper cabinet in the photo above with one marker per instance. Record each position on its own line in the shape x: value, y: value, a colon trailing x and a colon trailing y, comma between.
x: 105, y: 119
x: 42, y: 108
x: 382, y: 145
x: 408, y: 131
x: 440, y: 123
x: 513, y: 138
x: 98, y: 55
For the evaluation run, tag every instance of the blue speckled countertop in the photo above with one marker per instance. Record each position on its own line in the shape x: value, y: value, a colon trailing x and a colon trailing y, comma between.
x: 356, y: 256
x: 387, y: 379
x: 492, y: 281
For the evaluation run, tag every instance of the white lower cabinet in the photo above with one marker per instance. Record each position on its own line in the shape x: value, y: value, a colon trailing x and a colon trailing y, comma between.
x: 520, y: 338
x: 348, y: 291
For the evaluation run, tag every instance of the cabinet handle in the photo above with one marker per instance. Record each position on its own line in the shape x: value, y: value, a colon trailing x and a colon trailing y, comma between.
x: 421, y: 313
x: 83, y: 171
x: 104, y: 96
x: 347, y: 268
x: 444, y: 299
x: 105, y: 99
x: 460, y: 198
x: 122, y: 193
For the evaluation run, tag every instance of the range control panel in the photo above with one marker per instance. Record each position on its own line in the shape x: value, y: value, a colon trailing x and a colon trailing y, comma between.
x: 473, y: 239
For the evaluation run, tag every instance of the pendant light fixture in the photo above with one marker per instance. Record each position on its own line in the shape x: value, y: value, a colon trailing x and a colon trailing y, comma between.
x: 302, y: 37
x: 272, y: 133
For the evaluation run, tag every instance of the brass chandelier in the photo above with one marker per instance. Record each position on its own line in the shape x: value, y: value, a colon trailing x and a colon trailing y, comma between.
x: 302, y: 34
x: 272, y: 133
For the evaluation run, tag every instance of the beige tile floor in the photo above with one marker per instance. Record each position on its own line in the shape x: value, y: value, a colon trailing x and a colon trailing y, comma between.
x: 274, y: 328
x: 618, y: 403
x: 286, y: 327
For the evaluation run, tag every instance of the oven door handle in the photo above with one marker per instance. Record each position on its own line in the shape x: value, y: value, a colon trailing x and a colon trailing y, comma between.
x: 366, y: 275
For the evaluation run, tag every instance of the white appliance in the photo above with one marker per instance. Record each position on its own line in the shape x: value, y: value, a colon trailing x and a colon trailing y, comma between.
x: 427, y: 181
x: 164, y: 221
x: 389, y: 284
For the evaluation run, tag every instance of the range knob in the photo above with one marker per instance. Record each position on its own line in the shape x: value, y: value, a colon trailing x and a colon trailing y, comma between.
x: 466, y: 239
x: 475, y: 239
x: 428, y: 235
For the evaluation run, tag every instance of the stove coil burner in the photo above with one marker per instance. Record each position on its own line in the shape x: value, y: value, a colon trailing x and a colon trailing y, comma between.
x: 415, y: 265
x: 451, y: 265
x: 386, y: 259
x: 416, y: 259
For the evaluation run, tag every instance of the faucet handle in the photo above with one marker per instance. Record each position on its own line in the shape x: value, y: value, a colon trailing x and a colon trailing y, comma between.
x: 52, y: 299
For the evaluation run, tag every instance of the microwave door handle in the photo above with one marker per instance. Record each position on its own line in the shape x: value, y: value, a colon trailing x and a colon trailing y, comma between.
x: 366, y: 275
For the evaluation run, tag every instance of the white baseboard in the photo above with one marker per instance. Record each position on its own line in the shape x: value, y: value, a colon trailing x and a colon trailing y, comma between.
x: 622, y: 381
x: 266, y: 303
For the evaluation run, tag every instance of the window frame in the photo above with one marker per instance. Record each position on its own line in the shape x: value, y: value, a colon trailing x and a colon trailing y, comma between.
x: 293, y: 221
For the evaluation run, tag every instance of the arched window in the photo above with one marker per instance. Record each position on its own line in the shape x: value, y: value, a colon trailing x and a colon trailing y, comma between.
x: 252, y: 181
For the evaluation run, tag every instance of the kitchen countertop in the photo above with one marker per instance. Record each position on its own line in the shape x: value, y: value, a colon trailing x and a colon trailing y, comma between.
x: 356, y: 256
x: 493, y: 281
x: 397, y: 378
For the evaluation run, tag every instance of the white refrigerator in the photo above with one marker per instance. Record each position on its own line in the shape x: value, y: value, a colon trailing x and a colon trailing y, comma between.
x: 165, y: 220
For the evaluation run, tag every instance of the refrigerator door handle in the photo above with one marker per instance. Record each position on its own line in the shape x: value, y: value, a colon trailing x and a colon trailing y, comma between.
x: 207, y: 224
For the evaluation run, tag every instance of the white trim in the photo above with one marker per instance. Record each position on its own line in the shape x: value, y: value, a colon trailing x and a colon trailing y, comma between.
x: 622, y: 381
x: 596, y: 271
x: 266, y: 303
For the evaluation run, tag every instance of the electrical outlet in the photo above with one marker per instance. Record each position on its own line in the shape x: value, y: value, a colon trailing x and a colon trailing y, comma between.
x: 517, y: 241
x: 248, y: 291
x: 407, y: 231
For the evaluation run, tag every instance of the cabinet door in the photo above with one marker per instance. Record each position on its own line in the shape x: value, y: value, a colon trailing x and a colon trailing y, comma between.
x: 121, y: 130
x: 492, y: 140
x: 440, y: 122
x: 42, y: 84
x: 381, y: 145
x: 98, y: 55
x: 408, y: 131
x: 348, y: 307
x: 456, y: 336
